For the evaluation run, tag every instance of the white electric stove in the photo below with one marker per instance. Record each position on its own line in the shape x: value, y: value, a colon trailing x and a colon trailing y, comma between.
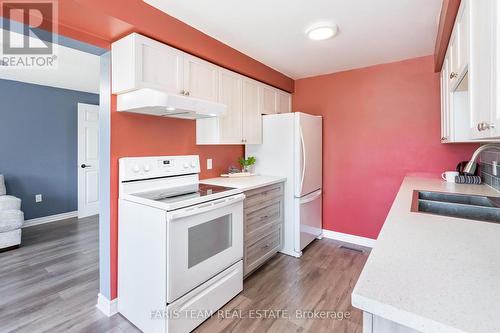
x: 180, y: 244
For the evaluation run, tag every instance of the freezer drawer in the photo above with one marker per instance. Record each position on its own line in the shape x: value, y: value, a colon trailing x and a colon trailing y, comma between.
x: 309, y: 211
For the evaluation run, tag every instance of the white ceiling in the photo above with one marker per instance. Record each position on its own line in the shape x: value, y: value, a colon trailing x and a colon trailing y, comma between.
x: 75, y: 70
x: 272, y: 31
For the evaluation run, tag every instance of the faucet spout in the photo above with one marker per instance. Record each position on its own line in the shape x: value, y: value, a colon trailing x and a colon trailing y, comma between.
x: 470, y: 168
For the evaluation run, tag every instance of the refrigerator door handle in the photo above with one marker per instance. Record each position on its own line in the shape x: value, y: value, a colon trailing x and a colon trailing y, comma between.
x: 303, y: 146
x: 311, y: 197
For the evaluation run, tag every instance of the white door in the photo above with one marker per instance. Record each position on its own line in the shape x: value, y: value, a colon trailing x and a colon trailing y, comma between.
x: 252, y: 117
x: 230, y: 90
x: 269, y: 100
x: 481, y: 63
x: 161, y: 67
x: 88, y: 160
x: 200, y: 79
x: 308, y: 157
x: 284, y: 102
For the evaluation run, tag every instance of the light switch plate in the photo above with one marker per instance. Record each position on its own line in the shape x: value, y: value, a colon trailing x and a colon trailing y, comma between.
x: 38, y: 198
x: 209, y: 164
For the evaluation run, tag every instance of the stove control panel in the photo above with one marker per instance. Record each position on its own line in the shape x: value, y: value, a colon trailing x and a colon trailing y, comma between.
x: 137, y: 168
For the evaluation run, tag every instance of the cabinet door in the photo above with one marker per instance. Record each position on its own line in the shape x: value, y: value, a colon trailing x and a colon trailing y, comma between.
x: 495, y: 118
x: 252, y: 118
x: 284, y: 102
x: 445, y: 105
x: 161, y: 66
x: 483, y: 45
x: 140, y: 62
x: 269, y: 100
x: 230, y: 93
x: 200, y: 78
x: 459, y: 44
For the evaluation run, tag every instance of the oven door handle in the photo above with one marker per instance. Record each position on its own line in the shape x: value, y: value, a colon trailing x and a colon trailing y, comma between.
x: 207, y: 206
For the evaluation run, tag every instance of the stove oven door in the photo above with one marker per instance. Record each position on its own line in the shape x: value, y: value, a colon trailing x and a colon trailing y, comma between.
x: 203, y: 240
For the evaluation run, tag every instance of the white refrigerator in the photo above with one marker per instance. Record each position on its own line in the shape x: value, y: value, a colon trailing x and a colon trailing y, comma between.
x: 292, y: 148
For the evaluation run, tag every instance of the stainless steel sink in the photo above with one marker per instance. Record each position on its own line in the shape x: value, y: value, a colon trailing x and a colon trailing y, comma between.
x: 472, y: 207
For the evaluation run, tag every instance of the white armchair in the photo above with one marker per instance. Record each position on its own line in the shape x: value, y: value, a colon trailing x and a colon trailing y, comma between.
x: 11, y: 219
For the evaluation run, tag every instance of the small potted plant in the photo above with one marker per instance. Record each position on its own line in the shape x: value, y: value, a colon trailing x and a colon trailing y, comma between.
x: 247, y: 163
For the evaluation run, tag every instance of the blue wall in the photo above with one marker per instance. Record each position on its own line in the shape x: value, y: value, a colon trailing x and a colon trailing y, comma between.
x: 38, y: 145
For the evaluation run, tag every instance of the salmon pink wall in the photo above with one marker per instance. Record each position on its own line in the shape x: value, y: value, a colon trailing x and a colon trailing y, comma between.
x: 380, y: 124
x: 141, y: 135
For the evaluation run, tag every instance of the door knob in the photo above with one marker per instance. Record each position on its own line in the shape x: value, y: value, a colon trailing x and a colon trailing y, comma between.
x: 83, y: 166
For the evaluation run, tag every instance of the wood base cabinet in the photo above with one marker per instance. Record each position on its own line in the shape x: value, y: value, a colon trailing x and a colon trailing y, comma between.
x: 263, y: 225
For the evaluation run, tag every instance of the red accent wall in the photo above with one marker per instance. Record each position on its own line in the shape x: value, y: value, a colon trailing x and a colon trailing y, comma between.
x: 380, y: 124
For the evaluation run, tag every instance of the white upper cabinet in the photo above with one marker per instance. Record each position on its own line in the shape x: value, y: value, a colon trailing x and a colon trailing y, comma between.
x: 200, y: 78
x: 445, y: 103
x: 284, y: 102
x: 275, y: 101
x: 269, y: 100
x: 459, y: 45
x: 483, y: 63
x: 140, y: 62
x: 470, y: 75
x: 230, y: 93
x: 252, y: 108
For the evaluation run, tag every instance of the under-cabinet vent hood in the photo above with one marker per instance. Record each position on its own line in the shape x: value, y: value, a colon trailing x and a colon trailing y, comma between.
x: 157, y: 103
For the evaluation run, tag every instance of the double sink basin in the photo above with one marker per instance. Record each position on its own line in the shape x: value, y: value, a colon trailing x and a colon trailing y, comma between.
x: 472, y: 207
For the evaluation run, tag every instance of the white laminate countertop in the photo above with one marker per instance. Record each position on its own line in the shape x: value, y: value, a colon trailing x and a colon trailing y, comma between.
x: 434, y: 273
x: 244, y: 183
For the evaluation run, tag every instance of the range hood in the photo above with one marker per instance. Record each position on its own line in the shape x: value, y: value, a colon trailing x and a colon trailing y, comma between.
x: 157, y: 103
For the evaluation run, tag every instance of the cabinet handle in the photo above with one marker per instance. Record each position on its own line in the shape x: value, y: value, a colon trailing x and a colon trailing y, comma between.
x: 483, y: 126
x: 266, y: 246
x: 243, y: 140
x: 453, y: 75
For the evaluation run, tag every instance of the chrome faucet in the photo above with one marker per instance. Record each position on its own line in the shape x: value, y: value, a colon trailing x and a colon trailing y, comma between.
x: 470, y: 168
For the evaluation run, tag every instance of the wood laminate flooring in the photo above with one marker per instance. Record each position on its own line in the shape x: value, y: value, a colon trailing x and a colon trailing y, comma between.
x: 50, y: 284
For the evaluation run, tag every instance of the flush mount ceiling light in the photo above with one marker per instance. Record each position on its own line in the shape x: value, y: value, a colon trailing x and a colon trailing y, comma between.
x: 322, y: 31
x: 169, y: 108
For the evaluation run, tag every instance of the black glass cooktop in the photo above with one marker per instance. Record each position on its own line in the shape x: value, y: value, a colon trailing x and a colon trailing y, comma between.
x: 181, y: 193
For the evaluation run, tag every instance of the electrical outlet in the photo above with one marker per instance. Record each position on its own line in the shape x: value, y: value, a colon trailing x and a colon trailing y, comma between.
x: 38, y: 198
x: 494, y: 167
x: 209, y: 164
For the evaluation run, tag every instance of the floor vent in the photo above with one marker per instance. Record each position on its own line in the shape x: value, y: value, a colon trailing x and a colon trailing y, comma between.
x: 344, y: 247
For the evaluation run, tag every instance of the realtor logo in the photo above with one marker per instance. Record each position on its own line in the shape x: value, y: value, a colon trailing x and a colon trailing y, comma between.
x: 28, y: 32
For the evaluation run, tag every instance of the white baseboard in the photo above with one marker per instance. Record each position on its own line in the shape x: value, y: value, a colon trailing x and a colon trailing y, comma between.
x: 353, y: 239
x: 106, y: 306
x: 49, y: 219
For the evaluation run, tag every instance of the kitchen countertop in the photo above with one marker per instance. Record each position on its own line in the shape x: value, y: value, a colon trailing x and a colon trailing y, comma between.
x: 433, y: 273
x: 244, y: 183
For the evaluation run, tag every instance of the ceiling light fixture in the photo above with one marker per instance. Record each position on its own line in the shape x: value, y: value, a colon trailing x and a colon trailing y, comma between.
x: 322, y: 32
x: 169, y: 108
